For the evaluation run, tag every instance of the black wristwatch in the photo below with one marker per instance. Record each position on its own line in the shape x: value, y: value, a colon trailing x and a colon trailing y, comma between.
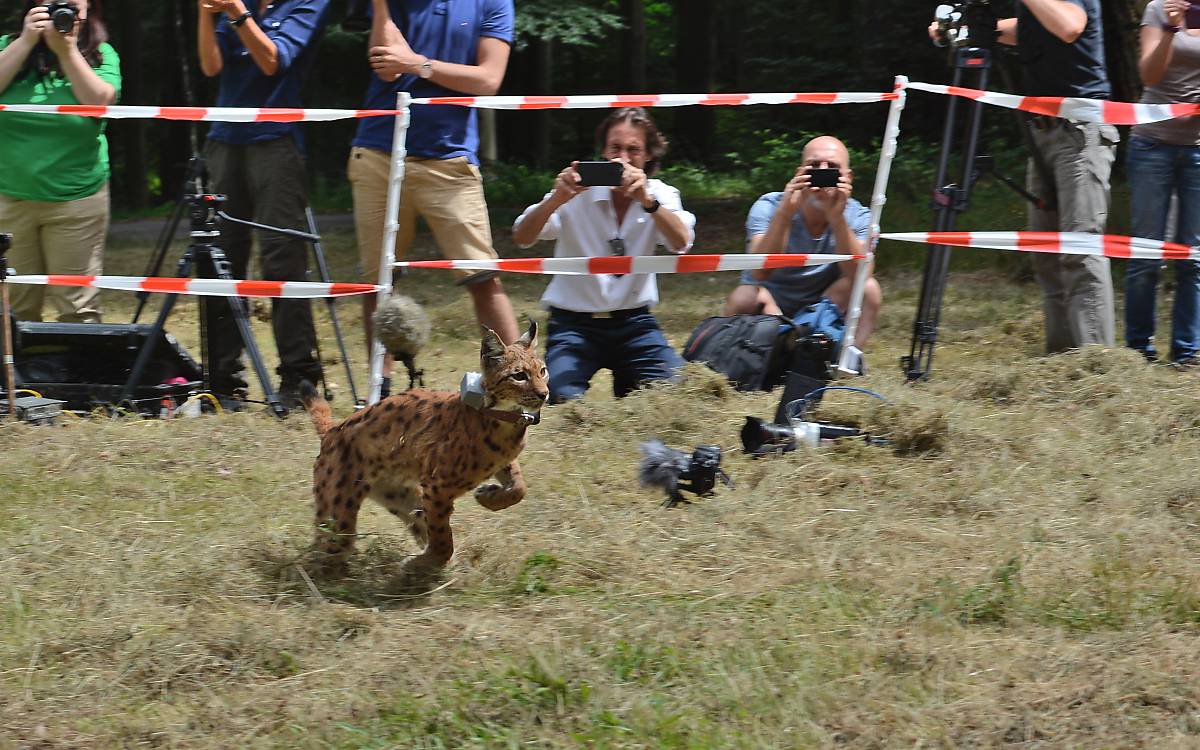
x: 240, y: 19
x: 653, y: 207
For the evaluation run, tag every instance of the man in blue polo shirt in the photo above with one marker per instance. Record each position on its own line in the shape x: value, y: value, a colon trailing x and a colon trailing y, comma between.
x: 436, y: 48
x: 809, y: 220
x: 263, y: 55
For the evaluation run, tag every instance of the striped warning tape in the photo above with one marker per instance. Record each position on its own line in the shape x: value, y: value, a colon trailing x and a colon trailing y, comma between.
x: 1070, y: 108
x: 1069, y: 243
x: 623, y: 264
x: 204, y: 287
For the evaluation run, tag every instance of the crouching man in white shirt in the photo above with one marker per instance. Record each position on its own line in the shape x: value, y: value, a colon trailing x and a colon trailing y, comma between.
x: 599, y: 322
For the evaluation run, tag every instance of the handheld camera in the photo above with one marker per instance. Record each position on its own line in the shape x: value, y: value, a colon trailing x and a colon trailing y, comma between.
x: 600, y: 173
x: 824, y: 177
x: 63, y: 15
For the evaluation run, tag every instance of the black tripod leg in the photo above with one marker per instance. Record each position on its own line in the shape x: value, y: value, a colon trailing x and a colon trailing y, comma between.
x: 323, y: 271
x: 241, y: 317
x: 193, y: 181
x: 160, y: 253
x: 144, y: 353
x: 949, y: 201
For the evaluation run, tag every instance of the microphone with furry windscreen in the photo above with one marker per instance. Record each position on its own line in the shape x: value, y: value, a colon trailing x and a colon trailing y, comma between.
x: 673, y: 471
x: 403, y: 328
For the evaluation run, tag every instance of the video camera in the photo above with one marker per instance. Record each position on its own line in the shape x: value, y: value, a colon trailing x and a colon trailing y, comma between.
x: 967, y: 23
x: 63, y: 15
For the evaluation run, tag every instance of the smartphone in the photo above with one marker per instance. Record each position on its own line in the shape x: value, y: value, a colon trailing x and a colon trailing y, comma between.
x: 824, y: 176
x: 600, y: 173
x: 1192, y: 18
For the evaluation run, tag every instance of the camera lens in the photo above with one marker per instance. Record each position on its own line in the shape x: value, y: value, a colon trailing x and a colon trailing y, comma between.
x: 62, y: 16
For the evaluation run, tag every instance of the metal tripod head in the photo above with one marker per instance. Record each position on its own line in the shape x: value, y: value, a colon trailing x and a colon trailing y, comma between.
x: 203, y: 211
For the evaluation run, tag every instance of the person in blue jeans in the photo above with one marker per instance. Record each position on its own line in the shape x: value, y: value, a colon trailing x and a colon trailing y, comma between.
x: 604, y: 322
x: 1164, y: 160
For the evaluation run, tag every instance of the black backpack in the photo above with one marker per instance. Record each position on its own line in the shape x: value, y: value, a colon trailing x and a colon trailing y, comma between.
x: 753, y: 351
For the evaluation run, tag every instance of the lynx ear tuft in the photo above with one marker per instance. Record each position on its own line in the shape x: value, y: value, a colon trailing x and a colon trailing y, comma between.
x: 492, y: 348
x: 529, y: 338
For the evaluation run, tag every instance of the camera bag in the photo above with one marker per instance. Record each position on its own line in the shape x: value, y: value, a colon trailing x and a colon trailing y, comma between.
x: 753, y: 351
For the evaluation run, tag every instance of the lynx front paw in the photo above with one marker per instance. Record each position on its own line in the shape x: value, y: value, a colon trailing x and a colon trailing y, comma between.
x: 496, y: 497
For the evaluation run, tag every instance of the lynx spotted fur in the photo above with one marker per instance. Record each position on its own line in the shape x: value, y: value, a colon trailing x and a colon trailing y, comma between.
x: 416, y: 452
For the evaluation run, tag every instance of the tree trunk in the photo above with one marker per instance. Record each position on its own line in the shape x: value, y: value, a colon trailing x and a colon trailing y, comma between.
x: 634, y: 12
x: 489, y: 150
x: 695, y: 52
x: 545, y: 82
x: 1121, y: 21
x: 134, y: 191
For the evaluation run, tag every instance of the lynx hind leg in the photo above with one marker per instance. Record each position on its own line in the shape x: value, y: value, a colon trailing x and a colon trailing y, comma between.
x: 438, y: 503
x: 338, y: 496
x: 404, y: 502
x: 508, y: 493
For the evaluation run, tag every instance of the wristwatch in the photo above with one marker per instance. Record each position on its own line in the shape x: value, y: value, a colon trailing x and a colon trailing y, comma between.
x: 425, y: 69
x: 240, y: 19
x: 1171, y: 28
x: 653, y: 207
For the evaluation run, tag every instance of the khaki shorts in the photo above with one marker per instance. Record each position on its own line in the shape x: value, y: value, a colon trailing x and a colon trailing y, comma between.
x: 52, y: 237
x: 448, y: 193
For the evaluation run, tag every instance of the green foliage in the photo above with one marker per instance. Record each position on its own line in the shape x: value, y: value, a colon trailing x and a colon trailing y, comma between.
x: 512, y: 186
x: 574, y: 23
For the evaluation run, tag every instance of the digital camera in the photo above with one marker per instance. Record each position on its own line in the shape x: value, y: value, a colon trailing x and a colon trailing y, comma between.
x: 63, y: 15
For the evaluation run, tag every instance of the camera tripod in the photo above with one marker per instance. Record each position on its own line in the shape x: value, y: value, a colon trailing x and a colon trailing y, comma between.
x: 205, y: 255
x: 192, y: 185
x: 951, y: 199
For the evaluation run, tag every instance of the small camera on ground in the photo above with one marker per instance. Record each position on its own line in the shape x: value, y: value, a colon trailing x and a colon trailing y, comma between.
x: 63, y: 15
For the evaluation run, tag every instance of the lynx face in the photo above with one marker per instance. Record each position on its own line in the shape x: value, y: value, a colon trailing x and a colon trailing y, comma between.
x: 514, y: 376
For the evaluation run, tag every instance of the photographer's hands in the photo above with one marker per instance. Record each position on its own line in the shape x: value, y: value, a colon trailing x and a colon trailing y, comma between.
x: 1176, y: 11
x: 566, y: 185
x: 831, y: 199
x: 37, y: 20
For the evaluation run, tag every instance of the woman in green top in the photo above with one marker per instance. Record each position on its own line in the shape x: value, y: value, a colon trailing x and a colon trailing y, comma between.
x: 54, y: 168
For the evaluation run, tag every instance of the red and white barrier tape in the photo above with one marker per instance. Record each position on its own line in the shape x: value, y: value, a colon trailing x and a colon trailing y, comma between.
x: 623, y: 264
x: 205, y: 287
x: 609, y: 101
x: 1070, y: 108
x: 266, y: 114
x: 1082, y: 110
x: 206, y: 114
x: 1067, y: 243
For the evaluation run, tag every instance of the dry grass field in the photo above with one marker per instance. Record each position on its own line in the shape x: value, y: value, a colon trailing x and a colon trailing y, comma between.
x: 1019, y: 569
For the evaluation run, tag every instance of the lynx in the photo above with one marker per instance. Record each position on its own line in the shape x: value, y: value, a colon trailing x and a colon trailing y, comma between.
x: 416, y: 452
